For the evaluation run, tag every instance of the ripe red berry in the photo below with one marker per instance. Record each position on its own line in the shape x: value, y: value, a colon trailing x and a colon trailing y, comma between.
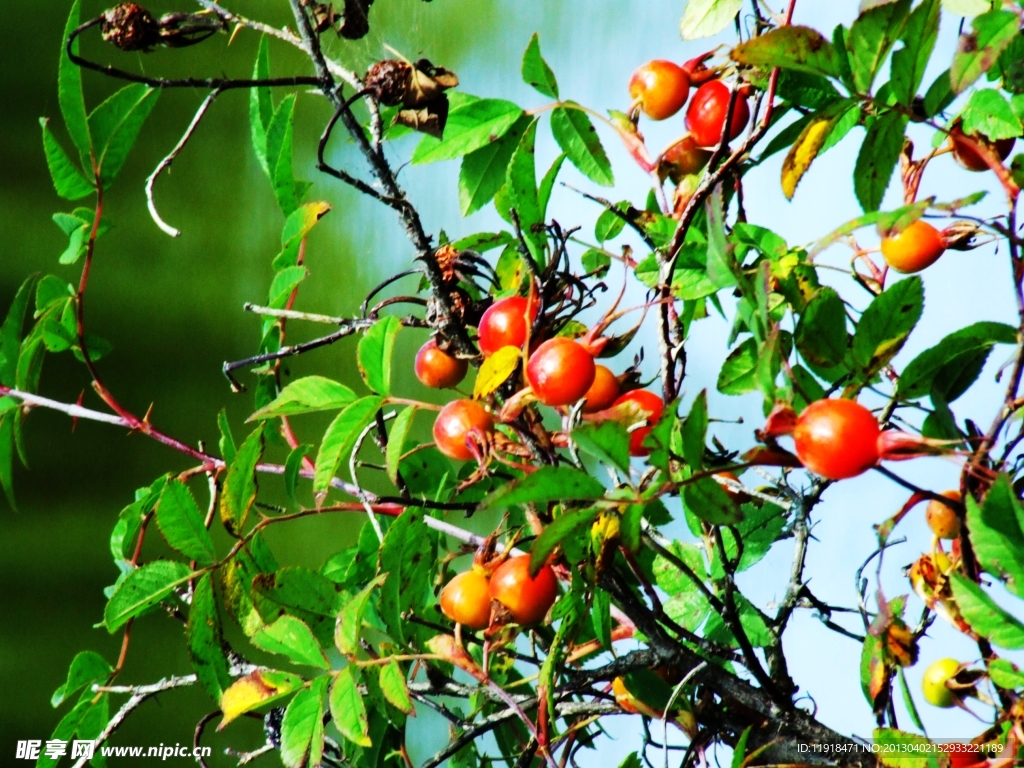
x: 705, y: 117
x: 560, y: 371
x: 659, y: 88
x: 918, y: 246
x: 968, y: 157
x: 438, y: 369
x: 684, y: 158
x: 466, y: 599
x: 457, y: 424
x: 603, y: 391
x: 836, y: 438
x: 641, y: 405
x: 528, y: 600
x: 504, y: 324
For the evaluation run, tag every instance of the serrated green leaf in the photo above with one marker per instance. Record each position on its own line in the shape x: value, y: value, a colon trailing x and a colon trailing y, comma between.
x: 239, y: 491
x: 182, y: 524
x: 392, y: 683
x: 737, y: 375
x: 374, y: 354
x: 142, y: 589
x: 340, y: 438
x: 396, y: 442
x: 302, y: 728
x: 918, y: 377
x: 886, y: 323
x: 472, y: 124
x: 566, y: 524
x: 291, y: 637
x: 792, y: 47
x: 990, y: 114
x: 115, y: 125
x: 227, y: 440
x: 10, y: 331
x: 877, y: 159
x: 607, y: 441
x: 978, y: 51
x: 871, y: 37
x: 261, y: 108
x: 350, y: 619
x: 69, y: 89
x: 86, y: 668
x: 695, y: 430
x: 577, y: 137
x: 347, y: 709
x: 483, y: 171
x: 306, y: 395
x: 706, y: 18
x: 204, y: 638
x: 521, y: 186
x: 407, y: 556
x: 68, y: 181
x: 997, y: 534
x: 536, y: 71
x: 279, y: 155
x: 706, y: 499
x: 821, y: 333
x: 545, y: 485
x: 985, y: 617
x: 909, y: 63
x: 1005, y: 674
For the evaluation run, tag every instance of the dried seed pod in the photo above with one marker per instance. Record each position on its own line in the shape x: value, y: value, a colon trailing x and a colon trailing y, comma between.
x: 130, y: 27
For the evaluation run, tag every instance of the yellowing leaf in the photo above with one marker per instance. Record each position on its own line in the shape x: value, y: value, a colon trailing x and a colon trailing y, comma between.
x: 255, y: 690
x: 803, y: 152
x: 496, y: 370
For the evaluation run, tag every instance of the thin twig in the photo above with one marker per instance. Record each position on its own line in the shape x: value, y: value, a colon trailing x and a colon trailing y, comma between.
x: 166, y: 163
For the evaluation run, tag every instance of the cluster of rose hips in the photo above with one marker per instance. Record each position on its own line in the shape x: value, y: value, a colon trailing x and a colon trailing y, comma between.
x: 560, y: 372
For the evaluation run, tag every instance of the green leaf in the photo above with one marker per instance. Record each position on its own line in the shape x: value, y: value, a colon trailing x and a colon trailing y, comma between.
x: 547, y: 184
x: 908, y: 700
x: 347, y: 709
x: 281, y: 287
x: 302, y: 728
x: 142, y: 589
x: 761, y: 528
x: 813, y: 140
x: 536, y: 71
x: 877, y: 159
x: 870, y: 39
x: 1005, y: 675
x: 898, y: 749
x: 69, y: 89
x: 886, y: 324
x: 227, y: 440
x: 340, y: 438
x: 350, y: 620
x: 792, y: 47
x: 291, y: 637
x: 695, y: 430
x: 204, y: 638
x: 706, y: 499
x: 985, y: 617
x: 721, y: 261
x: 301, y: 592
x: 292, y: 467
x: 607, y: 441
x: 239, y: 491
x: 950, y: 353
x: 407, y: 556
x: 472, y: 123
x: 482, y: 172
x: 979, y: 50
x: 521, y: 185
x: 578, y: 138
x: 182, y: 524
x: 374, y: 354
x: 596, y: 263
x: 76, y: 246
x: 306, y: 395
x: 261, y: 108
x: 115, y: 125
x: 69, y: 182
x: 706, y: 18
x: 989, y: 113
x: 821, y: 333
x: 396, y: 442
x: 910, y: 62
x: 939, y: 95
x: 997, y: 533
x: 86, y: 668
x: 392, y: 683
x: 567, y: 524
x: 545, y: 485
x: 10, y: 331
x: 609, y: 224
x: 739, y: 754
x: 738, y: 373
x: 279, y: 154
x: 966, y: 7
